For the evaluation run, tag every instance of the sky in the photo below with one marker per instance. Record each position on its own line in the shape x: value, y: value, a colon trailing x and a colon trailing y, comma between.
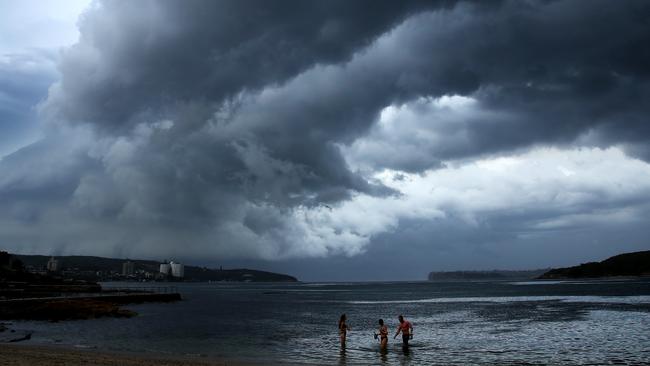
x: 330, y: 140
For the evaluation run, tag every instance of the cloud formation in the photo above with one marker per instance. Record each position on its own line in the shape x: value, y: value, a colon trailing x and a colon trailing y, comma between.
x: 268, y: 130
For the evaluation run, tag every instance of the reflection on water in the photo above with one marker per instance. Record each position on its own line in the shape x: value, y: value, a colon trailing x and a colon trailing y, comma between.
x: 384, y: 356
x: 455, y: 323
x: 342, y: 357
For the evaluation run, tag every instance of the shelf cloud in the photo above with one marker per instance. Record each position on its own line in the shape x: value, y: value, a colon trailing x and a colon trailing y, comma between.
x: 286, y: 130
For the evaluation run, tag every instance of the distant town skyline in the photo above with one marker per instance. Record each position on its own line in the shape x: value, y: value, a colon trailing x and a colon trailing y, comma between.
x: 328, y: 140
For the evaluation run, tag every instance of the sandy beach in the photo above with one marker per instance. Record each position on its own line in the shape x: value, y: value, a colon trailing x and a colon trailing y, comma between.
x: 28, y: 355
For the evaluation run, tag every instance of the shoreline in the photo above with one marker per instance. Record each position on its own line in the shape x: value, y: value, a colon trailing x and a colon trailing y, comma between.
x: 33, y: 355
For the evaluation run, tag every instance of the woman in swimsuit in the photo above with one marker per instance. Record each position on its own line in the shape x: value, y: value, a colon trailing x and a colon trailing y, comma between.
x: 343, y: 329
x: 383, y: 334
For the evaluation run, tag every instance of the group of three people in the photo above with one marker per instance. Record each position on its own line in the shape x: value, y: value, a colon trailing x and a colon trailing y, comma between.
x: 405, y: 327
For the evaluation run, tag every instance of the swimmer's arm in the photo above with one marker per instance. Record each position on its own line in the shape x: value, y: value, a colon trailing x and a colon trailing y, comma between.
x: 399, y: 329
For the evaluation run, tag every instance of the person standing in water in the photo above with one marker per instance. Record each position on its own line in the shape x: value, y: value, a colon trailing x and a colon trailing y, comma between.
x: 343, y: 329
x: 383, y: 335
x: 406, y: 328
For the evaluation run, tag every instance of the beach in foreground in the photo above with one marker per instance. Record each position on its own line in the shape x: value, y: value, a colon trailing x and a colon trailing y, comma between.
x: 27, y: 355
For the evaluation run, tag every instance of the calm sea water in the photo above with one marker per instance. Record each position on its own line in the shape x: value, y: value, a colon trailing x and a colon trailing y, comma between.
x: 579, y: 322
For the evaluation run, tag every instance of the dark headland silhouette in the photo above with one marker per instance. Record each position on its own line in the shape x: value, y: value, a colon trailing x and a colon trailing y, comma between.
x: 636, y: 264
x: 88, y: 267
x: 31, y: 287
x: 485, y: 275
x: 50, y: 296
x: 629, y: 264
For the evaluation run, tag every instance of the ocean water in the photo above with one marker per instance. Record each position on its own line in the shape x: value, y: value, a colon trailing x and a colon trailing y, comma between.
x: 456, y: 323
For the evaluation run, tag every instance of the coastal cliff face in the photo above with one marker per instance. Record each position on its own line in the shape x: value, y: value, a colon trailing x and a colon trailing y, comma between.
x: 628, y: 264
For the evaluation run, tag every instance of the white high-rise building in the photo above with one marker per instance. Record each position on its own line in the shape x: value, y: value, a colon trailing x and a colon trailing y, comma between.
x: 173, y: 269
x: 128, y: 268
x: 178, y: 270
x: 52, y: 265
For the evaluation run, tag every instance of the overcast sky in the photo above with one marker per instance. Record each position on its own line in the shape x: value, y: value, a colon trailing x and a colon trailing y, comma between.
x: 331, y: 140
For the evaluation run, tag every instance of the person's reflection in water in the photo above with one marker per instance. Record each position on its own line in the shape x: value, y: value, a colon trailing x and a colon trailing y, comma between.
x: 407, y: 352
x: 384, y: 356
x: 342, y: 358
x: 406, y: 360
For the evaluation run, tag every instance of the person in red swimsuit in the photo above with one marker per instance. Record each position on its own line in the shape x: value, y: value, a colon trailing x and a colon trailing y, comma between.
x: 406, y: 328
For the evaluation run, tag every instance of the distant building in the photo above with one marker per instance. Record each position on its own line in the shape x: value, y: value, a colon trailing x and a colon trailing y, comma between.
x: 52, y: 265
x: 128, y: 268
x: 165, y: 269
x: 172, y: 269
x: 178, y: 270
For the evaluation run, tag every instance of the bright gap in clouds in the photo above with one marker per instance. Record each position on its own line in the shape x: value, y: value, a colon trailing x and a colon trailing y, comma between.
x: 605, y: 187
x: 603, y: 184
x: 32, y: 35
x: 550, y: 188
x: 422, y: 133
x: 34, y: 24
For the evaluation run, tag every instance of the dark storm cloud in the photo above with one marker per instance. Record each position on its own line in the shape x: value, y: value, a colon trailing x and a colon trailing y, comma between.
x: 141, y: 61
x: 159, y: 82
x: 150, y: 53
x: 555, y: 69
x: 569, y: 69
x: 219, y: 125
x: 541, y: 72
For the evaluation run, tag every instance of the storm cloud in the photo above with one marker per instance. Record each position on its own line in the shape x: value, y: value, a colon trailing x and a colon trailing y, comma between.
x: 281, y: 130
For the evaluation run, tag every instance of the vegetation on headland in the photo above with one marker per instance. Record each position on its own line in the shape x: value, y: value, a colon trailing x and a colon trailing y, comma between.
x: 628, y: 264
x: 100, y: 269
x: 17, y: 282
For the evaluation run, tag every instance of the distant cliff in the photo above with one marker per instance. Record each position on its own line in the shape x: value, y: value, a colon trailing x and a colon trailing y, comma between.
x: 86, y: 267
x: 628, y: 264
x: 484, y: 275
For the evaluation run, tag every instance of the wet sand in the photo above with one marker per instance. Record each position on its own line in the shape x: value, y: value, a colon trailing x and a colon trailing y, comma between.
x: 28, y: 355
